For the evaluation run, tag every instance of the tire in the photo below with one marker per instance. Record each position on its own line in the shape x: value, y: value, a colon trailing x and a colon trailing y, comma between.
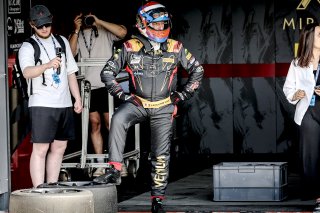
x: 64, y: 175
x: 69, y: 200
x: 104, y: 195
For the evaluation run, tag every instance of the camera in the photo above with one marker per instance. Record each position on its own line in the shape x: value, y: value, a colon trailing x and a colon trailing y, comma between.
x: 58, y: 53
x: 88, y: 21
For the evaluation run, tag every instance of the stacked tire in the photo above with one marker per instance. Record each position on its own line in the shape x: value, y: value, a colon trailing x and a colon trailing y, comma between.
x: 104, y: 195
x: 51, y: 200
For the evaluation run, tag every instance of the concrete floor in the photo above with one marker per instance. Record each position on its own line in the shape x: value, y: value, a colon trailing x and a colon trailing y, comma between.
x: 190, y: 187
x: 194, y: 193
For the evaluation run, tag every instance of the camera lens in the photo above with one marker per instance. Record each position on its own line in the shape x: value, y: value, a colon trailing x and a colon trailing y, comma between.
x: 88, y: 20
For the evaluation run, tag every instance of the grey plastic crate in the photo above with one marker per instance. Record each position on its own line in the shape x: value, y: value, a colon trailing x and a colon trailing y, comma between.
x: 250, y: 181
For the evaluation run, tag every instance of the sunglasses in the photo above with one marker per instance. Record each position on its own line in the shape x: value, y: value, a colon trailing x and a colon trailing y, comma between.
x: 44, y: 25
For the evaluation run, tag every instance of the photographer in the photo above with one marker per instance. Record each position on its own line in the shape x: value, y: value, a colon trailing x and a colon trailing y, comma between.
x: 94, y: 38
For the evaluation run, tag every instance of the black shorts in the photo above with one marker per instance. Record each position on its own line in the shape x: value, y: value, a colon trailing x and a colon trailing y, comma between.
x: 49, y: 124
x: 99, y: 100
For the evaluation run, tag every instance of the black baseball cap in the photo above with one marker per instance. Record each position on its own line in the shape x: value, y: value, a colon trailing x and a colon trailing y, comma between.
x: 40, y: 15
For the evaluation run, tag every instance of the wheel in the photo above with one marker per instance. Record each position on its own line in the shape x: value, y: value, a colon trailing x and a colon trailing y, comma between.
x: 64, y: 175
x: 51, y: 201
x: 88, y: 172
x: 104, y: 195
x: 132, y: 168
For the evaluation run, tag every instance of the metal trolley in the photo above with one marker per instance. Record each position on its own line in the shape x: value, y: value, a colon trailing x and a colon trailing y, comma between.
x: 87, y: 161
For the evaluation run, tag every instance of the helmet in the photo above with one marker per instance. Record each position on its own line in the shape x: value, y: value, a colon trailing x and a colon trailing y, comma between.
x: 148, y: 16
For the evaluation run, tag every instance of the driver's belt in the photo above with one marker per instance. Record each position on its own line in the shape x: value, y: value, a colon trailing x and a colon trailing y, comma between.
x: 155, y: 104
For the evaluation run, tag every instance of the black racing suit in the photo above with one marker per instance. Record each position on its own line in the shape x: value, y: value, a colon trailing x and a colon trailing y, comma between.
x: 152, y: 76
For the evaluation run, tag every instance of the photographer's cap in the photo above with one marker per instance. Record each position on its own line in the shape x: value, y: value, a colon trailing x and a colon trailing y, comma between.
x: 40, y: 15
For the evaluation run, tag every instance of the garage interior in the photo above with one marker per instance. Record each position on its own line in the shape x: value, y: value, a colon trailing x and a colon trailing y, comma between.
x: 239, y: 115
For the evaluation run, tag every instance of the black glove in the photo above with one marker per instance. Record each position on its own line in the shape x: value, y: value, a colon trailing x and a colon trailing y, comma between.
x: 177, y: 97
x: 118, y: 92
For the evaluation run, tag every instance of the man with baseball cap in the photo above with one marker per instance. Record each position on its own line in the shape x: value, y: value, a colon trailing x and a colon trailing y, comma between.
x: 40, y: 15
x: 51, y: 82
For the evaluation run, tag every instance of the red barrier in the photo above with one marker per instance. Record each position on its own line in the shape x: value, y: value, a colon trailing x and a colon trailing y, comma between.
x: 244, y: 70
x: 11, y: 62
x: 20, y: 169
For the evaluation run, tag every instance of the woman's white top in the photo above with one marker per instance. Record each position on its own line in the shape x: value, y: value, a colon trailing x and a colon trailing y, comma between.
x: 303, y: 79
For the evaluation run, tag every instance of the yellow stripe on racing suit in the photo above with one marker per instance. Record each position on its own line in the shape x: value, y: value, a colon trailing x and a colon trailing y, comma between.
x: 154, y: 104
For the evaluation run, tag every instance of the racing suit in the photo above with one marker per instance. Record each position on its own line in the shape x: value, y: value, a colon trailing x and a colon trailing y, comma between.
x: 152, y: 78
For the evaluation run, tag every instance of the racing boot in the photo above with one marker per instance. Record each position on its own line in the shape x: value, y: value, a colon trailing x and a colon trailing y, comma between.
x: 111, y: 176
x: 157, y: 206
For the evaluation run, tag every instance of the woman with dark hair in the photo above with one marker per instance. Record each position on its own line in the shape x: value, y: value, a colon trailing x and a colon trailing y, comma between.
x: 301, y: 89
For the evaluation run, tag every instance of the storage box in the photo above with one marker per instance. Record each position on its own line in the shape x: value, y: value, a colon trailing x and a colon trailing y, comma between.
x: 250, y: 181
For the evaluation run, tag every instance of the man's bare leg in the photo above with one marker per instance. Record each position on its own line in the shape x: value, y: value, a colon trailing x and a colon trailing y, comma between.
x: 38, y: 162
x: 54, y: 160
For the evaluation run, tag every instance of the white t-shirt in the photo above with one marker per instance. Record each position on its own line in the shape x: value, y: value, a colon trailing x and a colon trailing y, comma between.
x: 55, y: 94
x: 299, y: 78
x: 101, y: 47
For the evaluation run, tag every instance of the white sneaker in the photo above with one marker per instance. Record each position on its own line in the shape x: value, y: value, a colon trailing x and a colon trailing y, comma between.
x: 99, y: 171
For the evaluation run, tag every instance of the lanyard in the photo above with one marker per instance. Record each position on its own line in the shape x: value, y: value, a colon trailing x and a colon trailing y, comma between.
x: 85, y: 41
x: 54, y: 44
x: 313, y: 99
x: 317, y: 73
x: 55, y: 76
